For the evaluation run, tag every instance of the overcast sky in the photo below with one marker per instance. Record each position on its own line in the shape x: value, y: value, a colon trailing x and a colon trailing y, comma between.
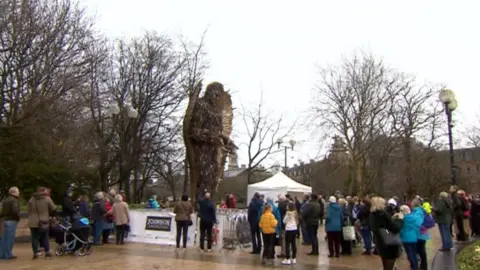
x: 276, y: 45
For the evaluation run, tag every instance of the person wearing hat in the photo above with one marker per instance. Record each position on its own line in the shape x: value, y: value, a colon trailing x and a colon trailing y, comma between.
x: 68, y: 206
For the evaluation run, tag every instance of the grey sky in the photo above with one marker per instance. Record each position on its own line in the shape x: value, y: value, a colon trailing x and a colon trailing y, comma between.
x: 275, y: 45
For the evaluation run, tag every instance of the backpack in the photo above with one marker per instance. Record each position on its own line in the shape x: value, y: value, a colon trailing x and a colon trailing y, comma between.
x: 428, y: 221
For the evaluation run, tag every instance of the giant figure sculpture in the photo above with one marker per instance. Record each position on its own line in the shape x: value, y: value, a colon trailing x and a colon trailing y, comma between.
x: 207, y: 128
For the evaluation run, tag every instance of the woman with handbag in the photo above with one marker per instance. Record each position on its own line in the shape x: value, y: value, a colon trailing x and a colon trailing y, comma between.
x: 348, y: 232
x: 333, y: 227
x: 386, y: 231
x: 183, y: 211
x: 40, y: 209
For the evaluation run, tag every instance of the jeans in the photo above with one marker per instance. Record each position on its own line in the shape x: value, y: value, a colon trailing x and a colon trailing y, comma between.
x: 367, y: 238
x: 206, y: 230
x: 422, y: 253
x: 8, y: 239
x: 269, y: 246
x: 312, y: 234
x: 333, y: 240
x: 446, y: 236
x: 182, y: 230
x: 291, y: 244
x: 411, y: 251
x: 120, y: 234
x: 98, y: 231
x: 256, y: 239
x: 39, y: 236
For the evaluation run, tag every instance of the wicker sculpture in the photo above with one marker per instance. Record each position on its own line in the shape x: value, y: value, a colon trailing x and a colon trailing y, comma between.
x: 206, y: 132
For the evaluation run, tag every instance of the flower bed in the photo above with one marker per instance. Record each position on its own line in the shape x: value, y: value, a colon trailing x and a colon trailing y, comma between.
x: 469, y: 257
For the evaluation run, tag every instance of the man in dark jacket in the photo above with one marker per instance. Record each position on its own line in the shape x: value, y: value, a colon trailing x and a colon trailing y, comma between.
x: 10, y: 213
x: 282, y: 208
x: 208, y: 216
x: 68, y: 206
x: 311, y: 217
x: 254, y: 214
x: 443, y: 217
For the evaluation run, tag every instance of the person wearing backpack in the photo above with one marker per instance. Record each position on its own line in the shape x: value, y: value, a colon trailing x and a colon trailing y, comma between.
x: 423, y: 235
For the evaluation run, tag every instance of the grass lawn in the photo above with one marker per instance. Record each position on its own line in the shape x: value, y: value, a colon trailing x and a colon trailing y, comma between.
x: 469, y: 257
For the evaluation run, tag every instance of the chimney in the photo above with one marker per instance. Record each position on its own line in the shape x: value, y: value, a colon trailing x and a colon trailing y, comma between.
x: 312, y: 161
x: 295, y: 165
x: 302, y: 163
x: 244, y: 166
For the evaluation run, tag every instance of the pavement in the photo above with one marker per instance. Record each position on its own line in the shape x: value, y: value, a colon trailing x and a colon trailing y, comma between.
x: 142, y: 257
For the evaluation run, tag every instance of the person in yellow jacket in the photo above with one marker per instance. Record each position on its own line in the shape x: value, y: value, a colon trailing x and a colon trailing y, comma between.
x: 427, y: 206
x: 268, y: 225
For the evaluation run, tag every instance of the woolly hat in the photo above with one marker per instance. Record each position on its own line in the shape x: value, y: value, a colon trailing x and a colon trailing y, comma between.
x: 332, y: 199
x: 392, y: 202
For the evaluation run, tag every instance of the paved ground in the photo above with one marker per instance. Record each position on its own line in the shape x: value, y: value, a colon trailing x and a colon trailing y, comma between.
x: 143, y: 257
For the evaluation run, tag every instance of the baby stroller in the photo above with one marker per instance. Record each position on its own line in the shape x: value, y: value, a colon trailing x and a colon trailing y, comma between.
x: 72, y: 237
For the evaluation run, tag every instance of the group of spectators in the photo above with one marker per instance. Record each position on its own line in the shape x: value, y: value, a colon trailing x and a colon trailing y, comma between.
x: 108, y: 213
x: 382, y: 227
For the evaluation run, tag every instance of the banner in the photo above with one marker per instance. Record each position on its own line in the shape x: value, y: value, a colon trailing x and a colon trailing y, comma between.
x: 156, y: 227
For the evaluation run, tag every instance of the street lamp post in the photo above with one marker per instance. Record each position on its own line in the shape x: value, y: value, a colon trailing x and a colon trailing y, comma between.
x: 447, y: 97
x: 131, y: 113
x: 286, y: 146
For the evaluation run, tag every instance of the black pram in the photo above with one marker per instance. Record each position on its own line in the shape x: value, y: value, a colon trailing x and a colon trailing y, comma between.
x: 72, y: 236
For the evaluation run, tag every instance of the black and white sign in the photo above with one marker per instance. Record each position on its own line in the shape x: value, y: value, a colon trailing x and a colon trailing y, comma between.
x: 158, y: 223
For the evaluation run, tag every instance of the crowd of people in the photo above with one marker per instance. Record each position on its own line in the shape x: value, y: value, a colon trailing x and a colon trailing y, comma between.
x: 381, y: 227
x: 109, y: 212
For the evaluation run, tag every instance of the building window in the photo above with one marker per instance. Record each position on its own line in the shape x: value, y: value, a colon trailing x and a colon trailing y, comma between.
x: 468, y: 155
x: 468, y: 170
x: 478, y: 167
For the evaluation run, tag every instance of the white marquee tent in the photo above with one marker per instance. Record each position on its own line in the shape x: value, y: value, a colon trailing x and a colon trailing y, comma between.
x: 278, y: 184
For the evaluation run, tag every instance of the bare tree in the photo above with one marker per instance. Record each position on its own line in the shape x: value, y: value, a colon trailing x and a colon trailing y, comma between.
x: 414, y: 112
x: 43, y: 67
x: 353, y: 100
x: 263, y: 132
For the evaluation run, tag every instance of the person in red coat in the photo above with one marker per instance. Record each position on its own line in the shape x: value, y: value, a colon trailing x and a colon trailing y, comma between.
x: 108, y: 221
x: 231, y: 201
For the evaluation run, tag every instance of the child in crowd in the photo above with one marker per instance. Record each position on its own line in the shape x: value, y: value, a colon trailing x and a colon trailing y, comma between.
x: 291, y: 229
x: 267, y: 225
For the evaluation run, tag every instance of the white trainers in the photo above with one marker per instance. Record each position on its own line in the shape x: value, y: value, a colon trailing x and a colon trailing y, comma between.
x: 294, y: 261
x: 286, y: 262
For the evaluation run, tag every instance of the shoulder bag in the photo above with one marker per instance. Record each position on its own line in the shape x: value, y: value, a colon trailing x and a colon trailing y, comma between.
x: 43, y: 226
x: 389, y: 238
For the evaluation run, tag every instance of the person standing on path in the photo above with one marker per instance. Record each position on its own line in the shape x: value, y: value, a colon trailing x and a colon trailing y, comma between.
x: 121, y: 218
x: 183, y: 211
x: 282, y: 208
x: 208, y: 217
x: 10, y: 213
x: 291, y: 226
x: 40, y: 209
x: 443, y: 212
x: 333, y: 227
x: 311, y: 217
x: 254, y: 214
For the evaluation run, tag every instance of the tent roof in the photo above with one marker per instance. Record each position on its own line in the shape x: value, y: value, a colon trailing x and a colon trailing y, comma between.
x: 281, y: 180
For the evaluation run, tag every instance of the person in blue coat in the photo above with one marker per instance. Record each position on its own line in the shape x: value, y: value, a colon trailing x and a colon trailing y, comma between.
x: 423, y: 235
x: 412, y: 223
x: 333, y: 226
x: 254, y: 214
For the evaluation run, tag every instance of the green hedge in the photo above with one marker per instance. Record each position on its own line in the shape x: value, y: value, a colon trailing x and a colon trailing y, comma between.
x: 469, y: 257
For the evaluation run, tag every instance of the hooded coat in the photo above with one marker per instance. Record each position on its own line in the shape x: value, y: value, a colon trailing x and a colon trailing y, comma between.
x: 40, y: 208
x: 276, y: 214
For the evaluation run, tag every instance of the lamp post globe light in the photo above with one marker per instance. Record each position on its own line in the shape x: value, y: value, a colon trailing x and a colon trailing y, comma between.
x: 290, y: 145
x: 131, y: 113
x: 447, y: 97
